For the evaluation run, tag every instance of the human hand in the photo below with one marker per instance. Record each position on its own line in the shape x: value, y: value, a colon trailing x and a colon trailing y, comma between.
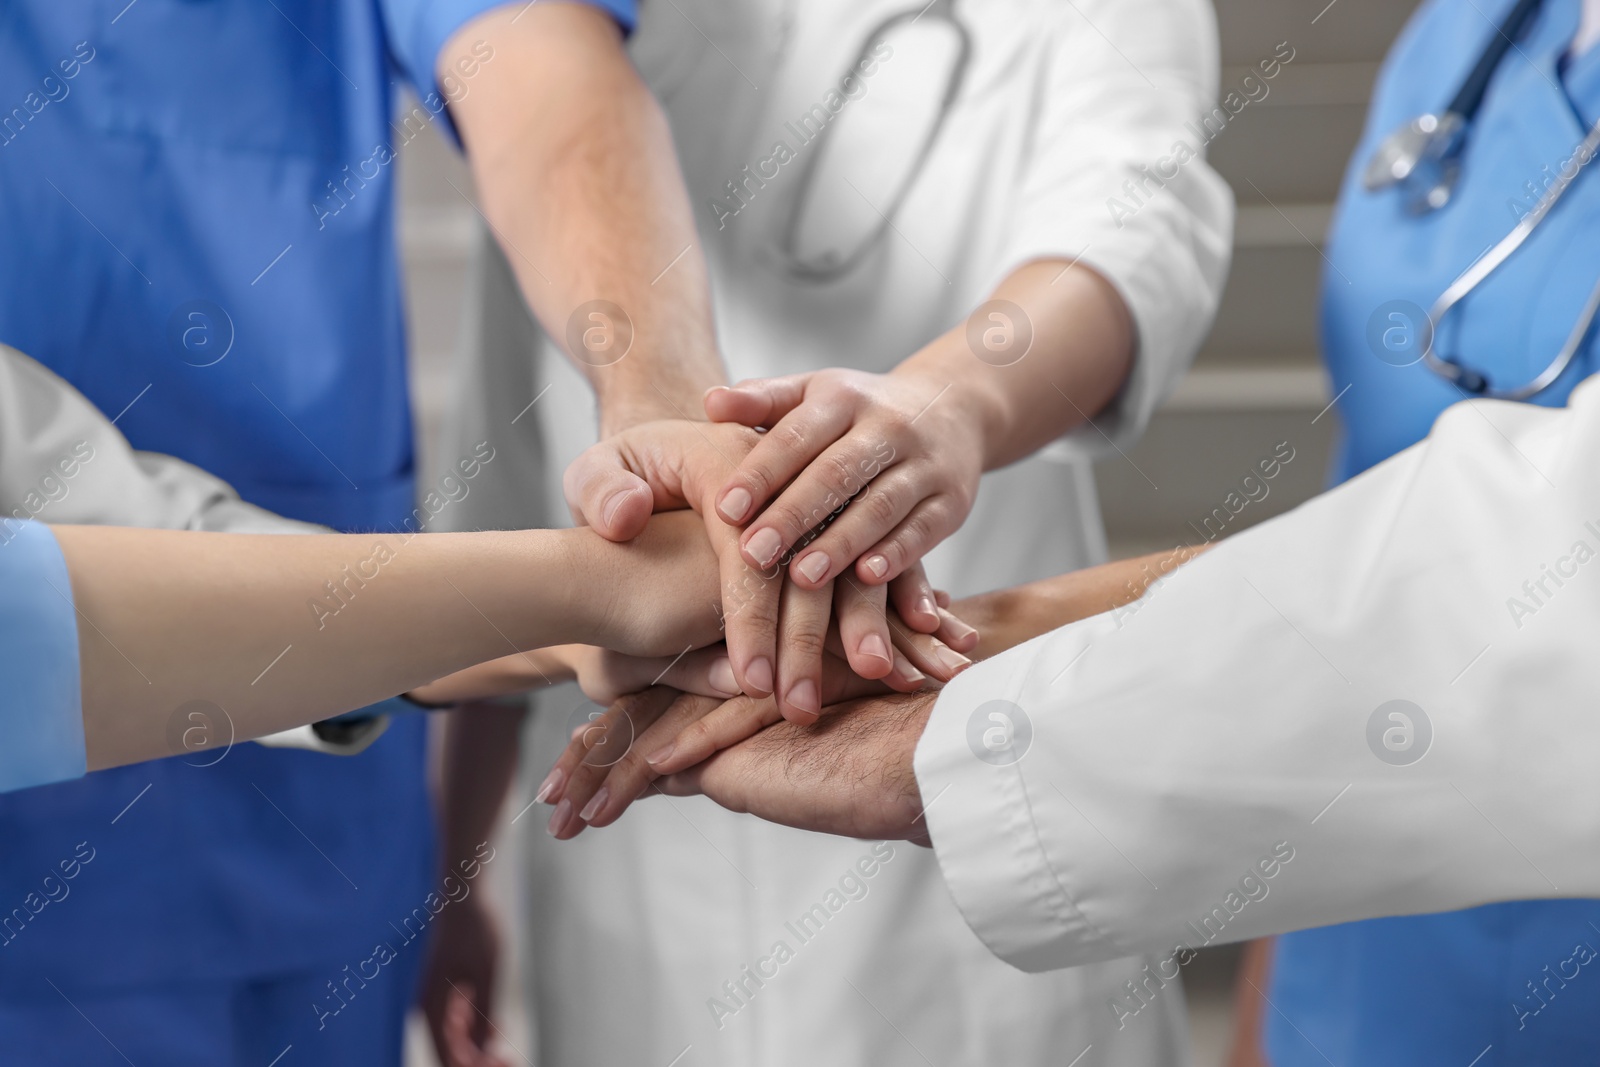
x: 656, y: 595
x: 902, y: 449
x: 850, y: 774
x: 612, y: 760
x: 774, y: 631
x: 602, y: 674
x: 459, y: 982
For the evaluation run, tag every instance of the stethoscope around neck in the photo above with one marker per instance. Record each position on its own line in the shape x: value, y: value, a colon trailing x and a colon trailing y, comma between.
x: 1423, y: 158
x: 832, y: 263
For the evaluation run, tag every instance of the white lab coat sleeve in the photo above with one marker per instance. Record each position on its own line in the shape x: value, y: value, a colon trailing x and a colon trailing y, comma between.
x: 1126, y: 82
x: 1221, y: 760
x: 62, y: 461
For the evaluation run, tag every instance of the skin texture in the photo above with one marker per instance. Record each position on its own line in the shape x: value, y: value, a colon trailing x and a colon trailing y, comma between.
x: 580, y: 184
x: 905, y: 450
x: 674, y: 732
x: 683, y: 463
x: 674, y: 737
x: 167, y: 617
x: 914, y: 442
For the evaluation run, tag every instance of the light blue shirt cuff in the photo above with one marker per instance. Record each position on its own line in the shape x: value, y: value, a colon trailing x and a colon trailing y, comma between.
x: 41, y: 710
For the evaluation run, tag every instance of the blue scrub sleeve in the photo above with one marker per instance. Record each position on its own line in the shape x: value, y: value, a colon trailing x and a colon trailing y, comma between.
x: 418, y: 30
x: 41, y: 714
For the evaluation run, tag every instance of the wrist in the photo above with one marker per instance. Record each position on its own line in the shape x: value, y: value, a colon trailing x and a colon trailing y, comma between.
x: 581, y: 597
x: 628, y: 402
x: 969, y: 394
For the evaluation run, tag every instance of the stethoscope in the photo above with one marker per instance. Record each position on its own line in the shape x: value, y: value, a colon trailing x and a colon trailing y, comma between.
x: 1424, y: 158
x: 830, y: 264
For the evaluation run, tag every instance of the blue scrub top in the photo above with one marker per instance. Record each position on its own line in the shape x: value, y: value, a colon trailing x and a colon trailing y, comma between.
x: 196, y: 203
x: 1509, y: 983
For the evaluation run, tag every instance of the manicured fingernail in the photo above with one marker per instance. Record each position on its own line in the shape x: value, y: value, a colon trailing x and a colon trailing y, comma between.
x: 814, y: 565
x: 758, y: 676
x: 662, y: 754
x: 953, y: 661
x: 803, y: 697
x: 596, y: 802
x: 548, y: 787
x: 959, y: 630
x: 873, y: 645
x: 614, y: 504
x: 722, y: 679
x: 765, y: 546
x: 735, y: 504
x: 925, y: 606
x: 558, y: 818
x: 906, y: 672
x: 878, y: 565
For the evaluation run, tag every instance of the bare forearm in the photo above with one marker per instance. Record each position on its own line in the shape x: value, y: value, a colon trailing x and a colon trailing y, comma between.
x: 1008, y: 617
x: 283, y: 630
x: 1028, y: 378
x: 580, y: 182
x: 480, y: 763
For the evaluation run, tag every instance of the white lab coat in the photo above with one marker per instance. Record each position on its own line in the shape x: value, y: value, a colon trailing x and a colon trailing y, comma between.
x: 1237, y: 721
x: 635, y: 929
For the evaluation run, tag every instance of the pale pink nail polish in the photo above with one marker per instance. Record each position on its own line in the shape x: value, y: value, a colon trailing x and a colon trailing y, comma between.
x: 735, y: 504
x: 814, y: 565
x: 596, y: 802
x: 765, y: 546
x: 559, y: 817
x: 548, y: 787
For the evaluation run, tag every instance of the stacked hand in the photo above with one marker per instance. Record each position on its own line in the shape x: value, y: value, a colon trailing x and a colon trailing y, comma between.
x: 776, y: 629
x: 849, y: 773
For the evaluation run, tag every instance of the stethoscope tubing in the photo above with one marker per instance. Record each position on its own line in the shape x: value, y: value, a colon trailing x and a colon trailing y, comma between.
x: 1491, y: 261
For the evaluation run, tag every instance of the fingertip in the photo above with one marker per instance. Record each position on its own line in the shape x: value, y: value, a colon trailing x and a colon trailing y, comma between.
x: 955, y: 632
x: 802, y: 704
x: 734, y: 505
x: 922, y: 618
x: 811, y: 570
x: 625, y: 512
x: 871, y: 658
x: 758, y: 676
x: 720, y: 678
x: 799, y: 716
x: 873, y: 569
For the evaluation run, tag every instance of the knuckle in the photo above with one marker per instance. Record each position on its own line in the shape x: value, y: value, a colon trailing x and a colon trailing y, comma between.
x: 839, y: 471
x: 880, y: 506
x: 790, y: 520
x: 808, y: 643
x: 791, y: 436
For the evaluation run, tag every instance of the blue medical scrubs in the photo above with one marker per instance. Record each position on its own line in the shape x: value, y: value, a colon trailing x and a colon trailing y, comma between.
x: 196, y: 230
x: 1509, y: 984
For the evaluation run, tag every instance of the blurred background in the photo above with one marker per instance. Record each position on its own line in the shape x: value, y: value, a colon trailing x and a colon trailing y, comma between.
x: 1257, y: 382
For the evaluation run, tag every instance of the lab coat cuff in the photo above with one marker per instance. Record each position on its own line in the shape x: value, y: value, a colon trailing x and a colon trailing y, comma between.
x: 971, y: 770
x: 41, y: 717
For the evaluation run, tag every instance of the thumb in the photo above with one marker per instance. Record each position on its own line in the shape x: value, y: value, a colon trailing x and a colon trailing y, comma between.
x: 759, y: 402
x: 604, y: 494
